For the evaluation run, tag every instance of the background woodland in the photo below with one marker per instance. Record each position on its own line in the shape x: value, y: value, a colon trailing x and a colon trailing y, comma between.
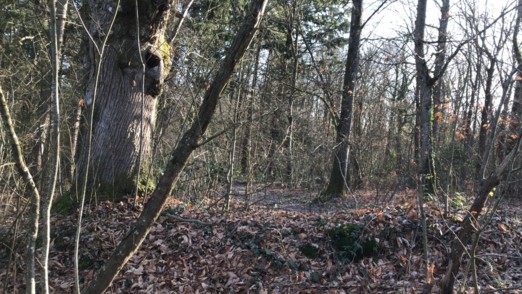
x: 391, y: 125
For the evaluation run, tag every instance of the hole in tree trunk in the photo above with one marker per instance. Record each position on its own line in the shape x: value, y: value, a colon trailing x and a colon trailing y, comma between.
x: 153, y: 74
x: 152, y: 60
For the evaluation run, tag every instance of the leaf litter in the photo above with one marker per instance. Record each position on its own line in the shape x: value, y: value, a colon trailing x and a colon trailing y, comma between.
x: 266, y: 250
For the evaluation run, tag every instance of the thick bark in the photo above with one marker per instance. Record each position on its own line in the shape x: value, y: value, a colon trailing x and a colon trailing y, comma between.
x: 189, y: 142
x: 34, y: 208
x: 124, y: 95
x: 338, y: 178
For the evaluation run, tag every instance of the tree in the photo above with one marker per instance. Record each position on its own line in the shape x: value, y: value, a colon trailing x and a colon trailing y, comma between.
x: 470, y: 223
x: 424, y: 92
x: 425, y: 89
x: 337, y: 185
x: 485, y: 118
x: 486, y: 184
x: 188, y: 143
x: 58, y: 18
x: 123, y: 88
x: 516, y: 108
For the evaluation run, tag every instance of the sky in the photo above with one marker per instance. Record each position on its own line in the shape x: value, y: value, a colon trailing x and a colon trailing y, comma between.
x: 397, y: 18
x: 399, y: 15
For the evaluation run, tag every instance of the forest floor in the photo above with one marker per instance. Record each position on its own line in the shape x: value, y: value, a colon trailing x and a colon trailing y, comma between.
x: 284, y: 243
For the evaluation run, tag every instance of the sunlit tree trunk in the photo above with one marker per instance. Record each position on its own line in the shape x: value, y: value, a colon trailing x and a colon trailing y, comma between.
x: 246, y: 143
x: 58, y: 17
x: 123, y: 88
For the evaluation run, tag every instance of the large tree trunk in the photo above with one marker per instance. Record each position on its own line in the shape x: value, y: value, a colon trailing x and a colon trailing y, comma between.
x: 125, y: 78
x: 189, y: 142
x: 338, y: 177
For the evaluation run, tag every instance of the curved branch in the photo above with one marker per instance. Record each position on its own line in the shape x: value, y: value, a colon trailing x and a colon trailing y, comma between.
x: 34, y: 212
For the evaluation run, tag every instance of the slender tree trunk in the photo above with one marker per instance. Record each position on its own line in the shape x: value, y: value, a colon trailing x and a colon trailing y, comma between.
x: 174, y: 33
x: 416, y: 129
x: 290, y: 130
x: 34, y: 208
x: 354, y: 173
x: 74, y: 139
x: 233, y: 140
x: 439, y: 63
x: 189, y: 142
x: 485, y: 115
x: 402, y: 93
x: 37, y: 153
x: 485, y: 187
x: 337, y: 184
x: 424, y: 88
x: 135, y: 63
x: 277, y: 136
x: 516, y: 109
x: 293, y: 42
x: 58, y: 16
x: 471, y: 106
x: 246, y: 144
